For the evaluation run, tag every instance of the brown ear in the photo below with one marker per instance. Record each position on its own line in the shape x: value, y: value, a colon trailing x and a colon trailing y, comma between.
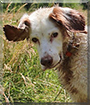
x: 17, y: 34
x: 69, y: 18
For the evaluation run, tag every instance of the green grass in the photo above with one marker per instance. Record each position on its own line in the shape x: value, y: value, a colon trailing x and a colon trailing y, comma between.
x: 23, y: 79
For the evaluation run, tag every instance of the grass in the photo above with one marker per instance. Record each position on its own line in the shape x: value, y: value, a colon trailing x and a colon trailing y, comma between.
x: 23, y: 79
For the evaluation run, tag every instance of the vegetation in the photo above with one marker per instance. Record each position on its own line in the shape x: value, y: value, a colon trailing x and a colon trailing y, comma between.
x: 23, y: 79
x: 31, y: 6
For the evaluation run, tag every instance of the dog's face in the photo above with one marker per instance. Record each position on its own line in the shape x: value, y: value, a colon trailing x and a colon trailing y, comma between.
x: 47, y: 29
x: 48, y: 39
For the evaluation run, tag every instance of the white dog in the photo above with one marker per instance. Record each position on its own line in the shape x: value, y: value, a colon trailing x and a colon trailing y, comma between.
x: 60, y: 36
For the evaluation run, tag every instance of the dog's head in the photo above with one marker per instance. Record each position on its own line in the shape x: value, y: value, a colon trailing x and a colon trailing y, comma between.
x: 47, y: 28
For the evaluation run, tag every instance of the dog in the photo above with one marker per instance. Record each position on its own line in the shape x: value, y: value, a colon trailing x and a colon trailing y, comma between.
x: 61, y: 39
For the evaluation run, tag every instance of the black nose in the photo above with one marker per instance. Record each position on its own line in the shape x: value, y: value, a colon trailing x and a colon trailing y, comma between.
x: 47, y: 61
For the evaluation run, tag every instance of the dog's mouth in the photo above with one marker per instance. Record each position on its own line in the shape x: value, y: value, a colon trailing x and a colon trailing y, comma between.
x: 53, y: 65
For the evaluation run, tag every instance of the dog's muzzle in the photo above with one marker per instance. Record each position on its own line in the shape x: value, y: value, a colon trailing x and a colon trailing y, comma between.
x: 47, y: 62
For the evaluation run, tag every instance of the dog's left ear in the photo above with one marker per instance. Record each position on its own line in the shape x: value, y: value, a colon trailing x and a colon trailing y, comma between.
x: 17, y: 33
x: 71, y: 19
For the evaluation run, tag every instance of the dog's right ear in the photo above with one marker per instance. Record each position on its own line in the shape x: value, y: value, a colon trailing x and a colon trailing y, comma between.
x: 18, y: 33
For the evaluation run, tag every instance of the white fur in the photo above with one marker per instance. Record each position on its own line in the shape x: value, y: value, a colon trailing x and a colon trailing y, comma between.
x: 42, y: 28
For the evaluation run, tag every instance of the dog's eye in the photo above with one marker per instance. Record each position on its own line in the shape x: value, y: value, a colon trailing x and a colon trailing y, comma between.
x: 55, y: 34
x: 35, y: 40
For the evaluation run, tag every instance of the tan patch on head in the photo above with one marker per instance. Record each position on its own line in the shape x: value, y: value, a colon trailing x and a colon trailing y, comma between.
x: 26, y: 21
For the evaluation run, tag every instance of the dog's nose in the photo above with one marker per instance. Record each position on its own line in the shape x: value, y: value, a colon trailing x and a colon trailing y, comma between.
x: 47, y: 61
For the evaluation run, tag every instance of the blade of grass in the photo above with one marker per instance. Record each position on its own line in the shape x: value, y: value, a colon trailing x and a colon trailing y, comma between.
x: 21, y: 7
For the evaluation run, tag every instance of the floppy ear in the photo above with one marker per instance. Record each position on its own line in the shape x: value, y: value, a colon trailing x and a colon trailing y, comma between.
x: 17, y: 34
x: 71, y: 19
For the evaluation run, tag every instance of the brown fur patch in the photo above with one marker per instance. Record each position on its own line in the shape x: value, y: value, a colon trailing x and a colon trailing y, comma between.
x: 68, y: 75
x: 72, y: 21
x: 15, y: 34
x: 65, y: 66
x: 26, y: 21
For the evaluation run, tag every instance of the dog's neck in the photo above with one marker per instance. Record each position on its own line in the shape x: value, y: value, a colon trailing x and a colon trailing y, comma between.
x: 69, y: 50
x: 70, y: 47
